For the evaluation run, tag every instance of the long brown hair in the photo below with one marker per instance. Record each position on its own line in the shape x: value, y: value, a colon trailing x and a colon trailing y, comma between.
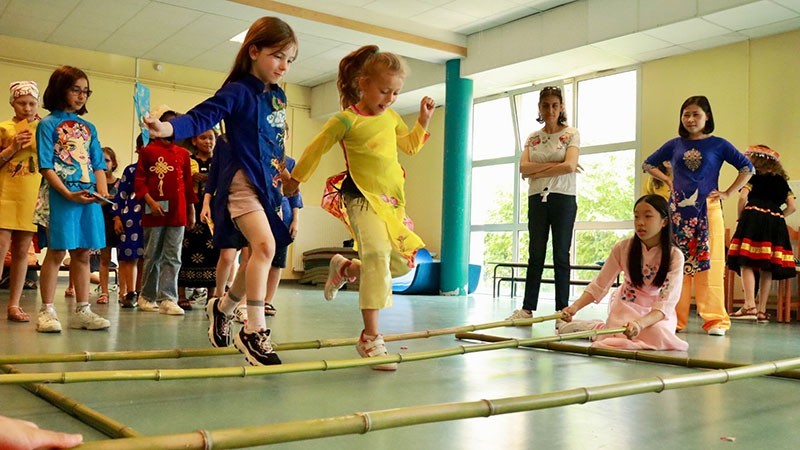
x: 266, y: 32
x: 365, y: 62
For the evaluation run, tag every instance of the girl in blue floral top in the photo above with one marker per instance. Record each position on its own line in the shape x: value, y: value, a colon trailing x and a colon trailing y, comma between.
x: 697, y: 157
x: 71, y: 161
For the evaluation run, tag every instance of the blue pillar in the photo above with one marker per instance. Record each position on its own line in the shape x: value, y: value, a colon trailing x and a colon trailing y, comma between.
x: 457, y: 182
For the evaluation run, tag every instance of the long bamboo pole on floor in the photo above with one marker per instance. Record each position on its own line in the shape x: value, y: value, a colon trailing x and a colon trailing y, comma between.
x: 39, y: 358
x: 637, y: 355
x: 231, y: 372
x: 85, y: 414
x: 364, y: 422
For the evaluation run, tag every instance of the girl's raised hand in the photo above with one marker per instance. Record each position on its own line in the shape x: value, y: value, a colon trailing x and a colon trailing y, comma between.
x: 23, y: 139
x: 426, y: 107
x: 156, y: 127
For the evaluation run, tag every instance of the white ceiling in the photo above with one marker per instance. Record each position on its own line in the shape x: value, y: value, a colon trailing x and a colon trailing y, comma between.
x: 197, y: 33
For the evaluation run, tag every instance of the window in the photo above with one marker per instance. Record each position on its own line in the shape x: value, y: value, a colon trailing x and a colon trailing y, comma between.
x: 493, y: 116
x: 604, y: 109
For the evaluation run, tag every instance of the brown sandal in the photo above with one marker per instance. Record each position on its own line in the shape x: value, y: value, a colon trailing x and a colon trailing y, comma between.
x: 16, y: 314
x: 745, y: 313
x: 185, y: 304
x: 762, y: 317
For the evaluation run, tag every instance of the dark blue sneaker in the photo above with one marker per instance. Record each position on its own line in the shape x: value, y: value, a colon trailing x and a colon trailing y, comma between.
x: 130, y: 300
x: 256, y: 347
x: 219, y: 328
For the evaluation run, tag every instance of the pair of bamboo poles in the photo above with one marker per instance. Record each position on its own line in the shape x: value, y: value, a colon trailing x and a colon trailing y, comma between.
x: 377, y: 420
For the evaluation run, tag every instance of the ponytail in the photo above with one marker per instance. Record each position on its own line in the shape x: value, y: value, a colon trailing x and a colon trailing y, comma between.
x: 367, y: 61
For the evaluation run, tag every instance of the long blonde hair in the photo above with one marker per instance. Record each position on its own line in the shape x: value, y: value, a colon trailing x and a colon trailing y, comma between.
x: 365, y: 62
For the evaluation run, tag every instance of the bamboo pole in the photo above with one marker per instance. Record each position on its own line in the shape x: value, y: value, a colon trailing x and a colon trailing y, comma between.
x: 637, y: 355
x: 39, y: 358
x: 230, y: 372
x: 415, y: 415
x: 85, y: 414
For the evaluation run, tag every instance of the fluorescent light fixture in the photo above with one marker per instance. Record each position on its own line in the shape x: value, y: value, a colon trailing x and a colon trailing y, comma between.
x: 239, y: 37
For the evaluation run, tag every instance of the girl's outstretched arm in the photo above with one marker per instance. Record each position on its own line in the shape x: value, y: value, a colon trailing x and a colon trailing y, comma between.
x: 573, y: 309
x: 156, y: 127
x: 634, y: 327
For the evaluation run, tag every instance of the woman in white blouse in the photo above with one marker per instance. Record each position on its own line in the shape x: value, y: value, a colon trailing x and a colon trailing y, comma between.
x: 550, y: 163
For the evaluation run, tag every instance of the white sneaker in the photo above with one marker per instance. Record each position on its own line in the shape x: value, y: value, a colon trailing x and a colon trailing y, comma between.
x: 84, y: 318
x: 170, y: 308
x: 577, y: 326
x: 335, y: 279
x: 520, y: 314
x: 715, y: 331
x: 240, y: 314
x: 374, y: 348
x: 147, y: 305
x: 47, y: 322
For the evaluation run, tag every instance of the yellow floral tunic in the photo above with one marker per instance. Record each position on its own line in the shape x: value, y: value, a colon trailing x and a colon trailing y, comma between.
x: 370, y: 146
x: 19, y: 181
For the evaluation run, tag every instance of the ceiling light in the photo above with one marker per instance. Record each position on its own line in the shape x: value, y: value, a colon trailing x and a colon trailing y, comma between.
x: 239, y: 37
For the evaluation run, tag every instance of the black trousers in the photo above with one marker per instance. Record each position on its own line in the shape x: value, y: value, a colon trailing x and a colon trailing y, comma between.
x: 557, y: 214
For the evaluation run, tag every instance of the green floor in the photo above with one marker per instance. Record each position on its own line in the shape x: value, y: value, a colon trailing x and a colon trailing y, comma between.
x: 758, y: 413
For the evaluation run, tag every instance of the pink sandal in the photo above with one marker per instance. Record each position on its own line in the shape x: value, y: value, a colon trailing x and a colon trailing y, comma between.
x: 102, y: 299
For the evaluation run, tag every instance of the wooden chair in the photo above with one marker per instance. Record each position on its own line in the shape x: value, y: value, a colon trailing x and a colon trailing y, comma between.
x: 785, y: 302
x: 729, y: 278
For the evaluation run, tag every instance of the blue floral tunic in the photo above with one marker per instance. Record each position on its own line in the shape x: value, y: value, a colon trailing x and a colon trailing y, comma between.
x: 695, y: 166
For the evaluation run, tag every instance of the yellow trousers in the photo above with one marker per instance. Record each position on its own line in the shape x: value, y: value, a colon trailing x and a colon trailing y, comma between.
x: 380, y: 262
x: 708, y: 284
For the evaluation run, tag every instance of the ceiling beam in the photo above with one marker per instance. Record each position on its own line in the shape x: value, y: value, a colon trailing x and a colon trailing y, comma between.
x: 354, y: 25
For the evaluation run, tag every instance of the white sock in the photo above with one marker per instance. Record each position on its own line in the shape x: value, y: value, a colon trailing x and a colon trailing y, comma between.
x: 228, y: 303
x: 255, y: 317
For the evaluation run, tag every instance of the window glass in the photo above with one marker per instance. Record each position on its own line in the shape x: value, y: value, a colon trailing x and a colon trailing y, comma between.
x: 607, y: 109
x: 593, y: 246
x: 489, y: 247
x: 492, y: 130
x: 605, y: 187
x: 527, y: 105
x: 493, y: 194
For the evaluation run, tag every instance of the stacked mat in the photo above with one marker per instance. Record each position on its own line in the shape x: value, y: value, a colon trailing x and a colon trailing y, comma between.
x: 316, y: 262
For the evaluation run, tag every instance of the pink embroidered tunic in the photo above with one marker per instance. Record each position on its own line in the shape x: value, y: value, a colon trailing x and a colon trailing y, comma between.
x: 630, y: 303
